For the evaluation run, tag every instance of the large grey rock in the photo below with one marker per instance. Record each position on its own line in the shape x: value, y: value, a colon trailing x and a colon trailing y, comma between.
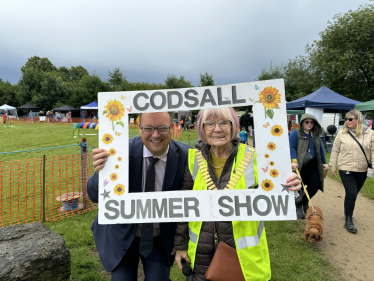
x: 33, y: 252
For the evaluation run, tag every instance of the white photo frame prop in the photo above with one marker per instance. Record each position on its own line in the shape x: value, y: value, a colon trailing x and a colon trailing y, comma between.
x: 270, y: 201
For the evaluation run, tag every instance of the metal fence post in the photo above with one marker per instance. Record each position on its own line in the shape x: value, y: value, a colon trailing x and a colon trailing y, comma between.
x: 44, y: 188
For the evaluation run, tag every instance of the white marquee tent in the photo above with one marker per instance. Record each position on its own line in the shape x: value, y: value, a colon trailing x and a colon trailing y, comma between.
x: 10, y: 109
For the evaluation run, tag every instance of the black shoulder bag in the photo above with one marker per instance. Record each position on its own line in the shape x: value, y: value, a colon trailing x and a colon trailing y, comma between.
x: 370, y: 166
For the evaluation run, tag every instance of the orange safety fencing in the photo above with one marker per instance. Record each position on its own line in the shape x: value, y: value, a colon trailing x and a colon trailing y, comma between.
x: 48, y: 188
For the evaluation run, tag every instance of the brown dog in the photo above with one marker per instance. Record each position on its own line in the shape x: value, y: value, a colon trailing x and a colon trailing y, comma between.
x: 314, y: 226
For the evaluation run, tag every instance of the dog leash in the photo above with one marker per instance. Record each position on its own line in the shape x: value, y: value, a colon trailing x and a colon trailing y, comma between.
x: 306, y: 192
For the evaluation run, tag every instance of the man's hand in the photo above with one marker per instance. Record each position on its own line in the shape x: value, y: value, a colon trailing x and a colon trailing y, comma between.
x: 181, y: 255
x: 333, y: 172
x: 293, y: 182
x: 326, y: 167
x: 100, y: 156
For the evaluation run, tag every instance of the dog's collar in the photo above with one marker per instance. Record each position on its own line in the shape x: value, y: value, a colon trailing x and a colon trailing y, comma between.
x: 314, y: 214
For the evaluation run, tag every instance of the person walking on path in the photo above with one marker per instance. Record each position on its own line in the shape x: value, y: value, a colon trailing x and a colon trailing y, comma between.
x: 243, y: 135
x: 308, y: 156
x: 245, y: 120
x: 68, y: 116
x: 31, y: 117
x: 347, y: 154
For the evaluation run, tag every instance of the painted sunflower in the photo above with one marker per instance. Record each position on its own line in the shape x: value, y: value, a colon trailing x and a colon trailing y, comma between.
x: 114, y: 110
x: 119, y: 189
x: 271, y: 163
x: 112, y: 152
x: 267, y: 155
x: 270, y: 97
x: 107, y: 138
x: 113, y: 176
x: 271, y: 146
x: 119, y: 159
x: 274, y: 173
x: 116, y: 166
x: 267, y: 185
x: 276, y: 130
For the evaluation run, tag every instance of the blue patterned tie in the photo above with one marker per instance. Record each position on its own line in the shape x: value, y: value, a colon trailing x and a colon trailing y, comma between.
x: 146, y: 239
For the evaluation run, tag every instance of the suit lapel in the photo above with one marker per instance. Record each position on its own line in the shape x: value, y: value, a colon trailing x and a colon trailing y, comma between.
x: 136, y: 167
x: 171, y: 167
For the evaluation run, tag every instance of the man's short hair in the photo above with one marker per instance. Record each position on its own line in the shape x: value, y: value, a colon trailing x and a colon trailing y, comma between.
x: 170, y: 115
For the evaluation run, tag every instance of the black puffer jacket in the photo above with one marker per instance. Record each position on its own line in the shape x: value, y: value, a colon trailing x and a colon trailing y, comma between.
x: 205, y: 246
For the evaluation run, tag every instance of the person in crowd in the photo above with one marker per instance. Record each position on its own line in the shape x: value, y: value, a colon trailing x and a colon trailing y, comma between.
x: 243, y: 135
x: 252, y: 125
x: 308, y: 155
x: 5, y: 116
x: 188, y: 122
x: 348, y: 156
x: 182, y: 121
x: 31, y: 117
x: 220, y: 148
x: 121, y: 245
x: 245, y: 120
x: 68, y: 116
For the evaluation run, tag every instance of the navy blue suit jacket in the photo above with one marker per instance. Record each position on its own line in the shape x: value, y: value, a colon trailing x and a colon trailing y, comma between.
x: 112, y: 241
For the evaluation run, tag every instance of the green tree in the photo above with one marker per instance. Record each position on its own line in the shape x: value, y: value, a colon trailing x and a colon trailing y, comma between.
x: 43, y: 64
x: 115, y: 79
x: 8, y: 93
x: 141, y: 86
x: 173, y: 82
x: 206, y: 80
x: 344, y: 54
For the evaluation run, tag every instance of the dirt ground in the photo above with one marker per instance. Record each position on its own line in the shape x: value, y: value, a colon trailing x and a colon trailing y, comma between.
x: 351, y: 254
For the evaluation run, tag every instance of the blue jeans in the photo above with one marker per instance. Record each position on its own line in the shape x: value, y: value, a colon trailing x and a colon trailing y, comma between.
x: 155, y: 265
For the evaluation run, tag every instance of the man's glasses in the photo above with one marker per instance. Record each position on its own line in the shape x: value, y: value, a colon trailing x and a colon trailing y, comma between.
x: 307, y: 122
x: 223, y: 124
x: 350, y: 119
x: 161, y: 130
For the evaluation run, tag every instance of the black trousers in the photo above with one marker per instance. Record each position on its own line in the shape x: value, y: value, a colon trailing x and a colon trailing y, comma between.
x: 353, y: 182
x: 310, y: 177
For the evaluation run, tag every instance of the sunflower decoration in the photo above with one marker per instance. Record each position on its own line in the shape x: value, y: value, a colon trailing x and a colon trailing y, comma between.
x: 114, y: 111
x: 107, y: 138
x: 267, y: 155
x: 271, y: 146
x: 269, y: 97
x: 116, y: 166
x: 267, y: 185
x: 271, y: 163
x: 112, y: 152
x: 274, y: 173
x: 113, y: 176
x: 119, y: 189
x: 277, y: 130
x: 119, y: 159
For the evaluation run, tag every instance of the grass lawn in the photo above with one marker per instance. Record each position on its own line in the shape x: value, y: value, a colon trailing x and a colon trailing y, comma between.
x: 291, y: 257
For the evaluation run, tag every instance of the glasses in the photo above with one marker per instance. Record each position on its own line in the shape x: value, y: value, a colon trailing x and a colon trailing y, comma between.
x: 350, y: 119
x: 311, y: 122
x: 223, y: 124
x: 150, y: 130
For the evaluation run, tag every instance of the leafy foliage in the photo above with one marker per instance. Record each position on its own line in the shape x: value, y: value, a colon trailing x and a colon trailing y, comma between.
x: 174, y: 83
x: 206, y: 79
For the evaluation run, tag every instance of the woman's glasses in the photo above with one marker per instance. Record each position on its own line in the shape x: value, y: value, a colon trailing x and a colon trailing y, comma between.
x: 307, y: 122
x: 350, y: 119
x: 223, y: 124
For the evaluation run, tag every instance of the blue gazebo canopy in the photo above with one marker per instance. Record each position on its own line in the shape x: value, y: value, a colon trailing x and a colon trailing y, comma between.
x: 92, y: 105
x: 324, y: 98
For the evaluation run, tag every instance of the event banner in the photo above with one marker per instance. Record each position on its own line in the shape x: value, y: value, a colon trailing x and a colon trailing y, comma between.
x: 271, y: 200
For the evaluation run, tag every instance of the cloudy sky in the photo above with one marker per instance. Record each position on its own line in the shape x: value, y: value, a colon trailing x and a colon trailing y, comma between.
x: 147, y: 39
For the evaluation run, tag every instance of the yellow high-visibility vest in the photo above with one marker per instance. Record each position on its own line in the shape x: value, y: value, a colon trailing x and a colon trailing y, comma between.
x: 250, y: 237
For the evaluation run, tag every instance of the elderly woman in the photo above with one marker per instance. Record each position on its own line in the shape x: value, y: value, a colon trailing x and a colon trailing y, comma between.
x: 221, y: 149
x: 353, y: 166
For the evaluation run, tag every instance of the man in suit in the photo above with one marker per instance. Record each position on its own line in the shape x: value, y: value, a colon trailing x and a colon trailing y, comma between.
x: 121, y: 245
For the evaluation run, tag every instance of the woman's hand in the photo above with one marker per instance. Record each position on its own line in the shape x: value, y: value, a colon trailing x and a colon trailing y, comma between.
x: 294, y: 182
x: 181, y: 255
x: 333, y: 172
x: 294, y: 166
x: 325, y: 167
x: 100, y: 156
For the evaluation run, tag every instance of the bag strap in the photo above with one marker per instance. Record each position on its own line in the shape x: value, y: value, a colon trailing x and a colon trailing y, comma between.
x: 360, y: 147
x: 309, y: 142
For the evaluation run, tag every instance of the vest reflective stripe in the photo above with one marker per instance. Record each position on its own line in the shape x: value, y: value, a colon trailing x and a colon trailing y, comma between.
x: 193, y: 236
x: 249, y: 236
x: 250, y: 241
